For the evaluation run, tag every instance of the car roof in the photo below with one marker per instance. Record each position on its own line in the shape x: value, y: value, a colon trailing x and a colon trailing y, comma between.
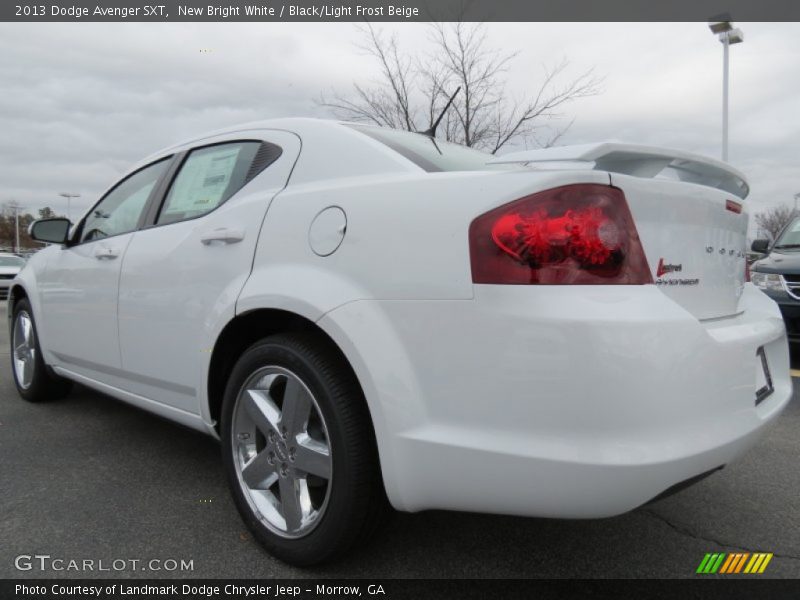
x: 299, y: 125
x: 330, y: 149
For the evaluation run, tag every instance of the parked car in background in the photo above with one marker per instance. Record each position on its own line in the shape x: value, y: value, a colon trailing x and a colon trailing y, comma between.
x: 777, y: 274
x: 361, y: 314
x: 10, y: 265
x: 26, y: 254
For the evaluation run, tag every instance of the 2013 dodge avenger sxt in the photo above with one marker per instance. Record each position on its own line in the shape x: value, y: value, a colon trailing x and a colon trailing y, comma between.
x: 363, y: 315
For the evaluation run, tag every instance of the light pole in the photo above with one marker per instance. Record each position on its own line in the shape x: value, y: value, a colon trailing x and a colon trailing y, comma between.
x: 728, y: 35
x: 796, y: 198
x: 69, y: 196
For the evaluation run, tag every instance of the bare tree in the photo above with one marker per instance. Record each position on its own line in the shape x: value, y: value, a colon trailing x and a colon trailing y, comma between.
x: 774, y: 219
x: 8, y: 228
x: 413, y: 88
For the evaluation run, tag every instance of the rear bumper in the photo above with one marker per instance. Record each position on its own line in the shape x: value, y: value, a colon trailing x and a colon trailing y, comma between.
x: 550, y: 401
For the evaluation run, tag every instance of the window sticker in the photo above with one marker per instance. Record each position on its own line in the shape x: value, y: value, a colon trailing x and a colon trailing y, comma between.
x: 203, y: 180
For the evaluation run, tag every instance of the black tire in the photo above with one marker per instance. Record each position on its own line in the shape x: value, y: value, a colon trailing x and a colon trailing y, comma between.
x: 44, y: 384
x: 356, y: 502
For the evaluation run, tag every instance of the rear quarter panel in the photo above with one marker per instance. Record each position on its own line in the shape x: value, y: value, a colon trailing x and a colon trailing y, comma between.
x: 407, y: 240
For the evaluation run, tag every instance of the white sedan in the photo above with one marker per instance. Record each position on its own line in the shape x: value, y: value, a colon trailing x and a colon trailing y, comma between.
x: 10, y: 265
x: 368, y: 317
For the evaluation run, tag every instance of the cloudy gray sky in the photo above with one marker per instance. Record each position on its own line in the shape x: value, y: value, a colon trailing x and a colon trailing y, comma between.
x: 82, y: 101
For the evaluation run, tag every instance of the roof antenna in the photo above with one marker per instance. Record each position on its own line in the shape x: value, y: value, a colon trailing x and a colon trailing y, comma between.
x: 432, y: 131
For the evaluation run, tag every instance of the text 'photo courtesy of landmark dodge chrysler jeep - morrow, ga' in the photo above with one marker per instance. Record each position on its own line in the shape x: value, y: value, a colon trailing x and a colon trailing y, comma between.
x: 369, y: 318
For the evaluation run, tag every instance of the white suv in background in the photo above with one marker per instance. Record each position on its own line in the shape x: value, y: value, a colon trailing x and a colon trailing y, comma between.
x: 362, y: 314
x: 10, y: 265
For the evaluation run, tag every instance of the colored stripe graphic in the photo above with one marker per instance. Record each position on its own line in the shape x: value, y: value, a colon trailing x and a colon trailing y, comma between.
x: 711, y: 563
x: 723, y: 563
x: 738, y: 562
x: 703, y: 564
x: 744, y: 558
x: 759, y: 562
x: 727, y: 564
x: 764, y: 564
x: 715, y: 567
x: 754, y: 562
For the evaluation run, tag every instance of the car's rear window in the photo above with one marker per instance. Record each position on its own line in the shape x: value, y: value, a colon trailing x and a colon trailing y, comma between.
x: 429, y: 153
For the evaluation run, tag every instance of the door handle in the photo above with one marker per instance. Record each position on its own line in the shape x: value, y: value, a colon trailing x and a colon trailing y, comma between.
x: 222, y: 235
x: 105, y: 253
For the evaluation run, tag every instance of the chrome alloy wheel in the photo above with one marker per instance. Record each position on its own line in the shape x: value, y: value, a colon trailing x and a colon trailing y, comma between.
x: 281, y: 451
x: 24, y: 342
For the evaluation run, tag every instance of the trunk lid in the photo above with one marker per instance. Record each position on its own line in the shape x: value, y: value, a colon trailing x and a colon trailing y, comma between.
x: 687, y: 210
x: 694, y: 243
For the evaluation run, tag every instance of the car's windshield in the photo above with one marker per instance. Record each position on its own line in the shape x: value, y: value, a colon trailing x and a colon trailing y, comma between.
x: 790, y: 238
x: 429, y: 153
x: 11, y: 261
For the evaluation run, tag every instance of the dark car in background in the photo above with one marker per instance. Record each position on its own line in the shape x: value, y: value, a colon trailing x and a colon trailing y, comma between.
x: 778, y: 274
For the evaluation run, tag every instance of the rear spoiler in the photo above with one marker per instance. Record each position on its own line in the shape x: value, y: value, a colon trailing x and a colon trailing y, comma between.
x: 640, y: 161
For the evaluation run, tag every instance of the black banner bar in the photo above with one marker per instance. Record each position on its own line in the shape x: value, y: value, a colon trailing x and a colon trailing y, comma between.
x: 393, y: 589
x: 398, y: 10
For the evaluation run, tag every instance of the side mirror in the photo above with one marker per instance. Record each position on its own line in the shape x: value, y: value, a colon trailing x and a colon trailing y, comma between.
x: 51, y: 231
x: 760, y: 246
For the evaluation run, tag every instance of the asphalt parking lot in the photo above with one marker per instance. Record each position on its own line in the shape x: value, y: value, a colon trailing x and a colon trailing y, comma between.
x: 92, y: 478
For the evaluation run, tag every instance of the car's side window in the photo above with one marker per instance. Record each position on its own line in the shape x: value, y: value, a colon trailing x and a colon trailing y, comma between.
x: 207, y: 178
x: 120, y: 210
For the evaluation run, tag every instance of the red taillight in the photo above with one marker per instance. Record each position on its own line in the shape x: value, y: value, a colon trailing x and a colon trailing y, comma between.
x: 734, y: 207
x: 576, y: 234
